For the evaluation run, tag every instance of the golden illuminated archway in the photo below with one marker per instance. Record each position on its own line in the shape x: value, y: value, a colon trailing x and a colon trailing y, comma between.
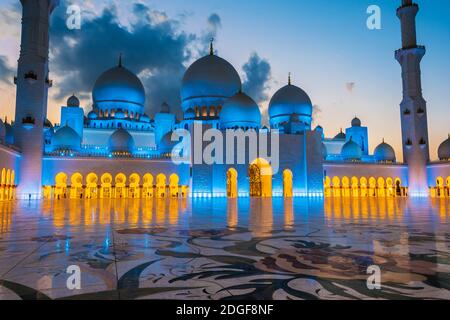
x: 363, y: 186
x: 345, y: 186
x: 106, y: 186
x: 147, y: 187
x: 161, y: 185
x: 260, y: 173
x: 3, y: 185
x: 232, y: 189
x: 8, y: 183
x: 174, y: 185
x: 120, y: 186
x: 288, y: 191
x: 91, y: 186
x: 327, y: 186
x: 135, y: 189
x: 60, y: 185
x: 355, y: 187
x: 390, y: 191
x: 372, y: 186
x: 440, y: 187
x: 381, y: 187
x: 76, y: 186
x: 336, y: 187
x: 398, y: 188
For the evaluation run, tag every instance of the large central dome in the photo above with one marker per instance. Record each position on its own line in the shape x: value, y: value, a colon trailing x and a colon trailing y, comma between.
x: 119, y: 88
x: 209, y: 82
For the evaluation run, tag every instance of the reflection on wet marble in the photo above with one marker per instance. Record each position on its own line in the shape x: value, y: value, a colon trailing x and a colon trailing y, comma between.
x: 225, y: 249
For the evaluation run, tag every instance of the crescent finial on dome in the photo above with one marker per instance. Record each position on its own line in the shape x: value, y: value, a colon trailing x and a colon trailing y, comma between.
x: 120, y: 59
x: 289, y: 79
x: 211, y: 47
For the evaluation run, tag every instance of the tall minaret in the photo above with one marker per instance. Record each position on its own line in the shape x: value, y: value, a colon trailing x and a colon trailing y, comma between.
x: 32, y: 90
x: 413, y: 106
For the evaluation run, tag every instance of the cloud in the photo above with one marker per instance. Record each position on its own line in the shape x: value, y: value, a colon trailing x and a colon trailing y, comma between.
x: 151, y: 46
x: 257, y: 78
x: 6, y: 73
x: 317, y: 111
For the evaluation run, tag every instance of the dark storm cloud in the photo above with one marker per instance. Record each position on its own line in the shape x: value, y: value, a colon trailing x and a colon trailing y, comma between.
x: 6, y: 73
x: 257, y: 78
x: 151, y: 47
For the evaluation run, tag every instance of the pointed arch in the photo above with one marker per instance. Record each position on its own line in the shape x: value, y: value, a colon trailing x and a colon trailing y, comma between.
x: 106, y: 185
x: 61, y: 185
x: 147, y: 188
x: 134, y: 190
x: 287, y: 183
x: 161, y: 185
x: 91, y: 186
x: 174, y: 185
x: 260, y: 173
x: 232, y: 189
x: 76, y: 186
x: 120, y: 186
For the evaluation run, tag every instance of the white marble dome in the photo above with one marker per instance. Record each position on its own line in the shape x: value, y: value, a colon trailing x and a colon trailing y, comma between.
x: 119, y: 88
x: 240, y: 111
x: 209, y: 81
x: 289, y: 100
x: 121, y: 141
x: 384, y: 153
x: 66, y: 138
x: 351, y: 151
x: 444, y: 150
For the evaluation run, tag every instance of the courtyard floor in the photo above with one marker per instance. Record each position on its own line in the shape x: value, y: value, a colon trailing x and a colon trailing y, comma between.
x: 225, y: 249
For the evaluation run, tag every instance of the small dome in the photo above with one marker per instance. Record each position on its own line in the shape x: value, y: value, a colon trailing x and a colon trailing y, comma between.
x: 189, y: 114
x: 240, y: 111
x: 144, y: 118
x: 288, y: 100
x: 121, y: 141
x: 66, y: 138
x: 444, y: 150
x: 119, y: 88
x: 73, y: 101
x: 356, y: 122
x: 92, y: 115
x: 351, y: 151
x: 340, y: 136
x: 209, y: 81
x: 384, y: 153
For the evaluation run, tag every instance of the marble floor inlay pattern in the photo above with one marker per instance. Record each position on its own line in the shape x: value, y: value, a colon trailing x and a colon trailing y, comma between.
x: 225, y: 249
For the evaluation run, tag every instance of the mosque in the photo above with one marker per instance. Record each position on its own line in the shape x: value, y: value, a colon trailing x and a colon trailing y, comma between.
x: 117, y: 151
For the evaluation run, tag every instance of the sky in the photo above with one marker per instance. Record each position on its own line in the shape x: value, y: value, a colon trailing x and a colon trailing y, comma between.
x: 347, y: 69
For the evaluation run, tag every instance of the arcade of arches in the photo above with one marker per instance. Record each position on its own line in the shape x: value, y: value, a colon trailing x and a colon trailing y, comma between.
x: 442, y: 188
x: 7, y: 186
x: 119, y: 186
x: 364, y: 187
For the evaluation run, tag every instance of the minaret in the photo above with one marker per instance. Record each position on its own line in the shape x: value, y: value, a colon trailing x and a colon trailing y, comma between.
x: 31, y: 97
x: 413, y: 106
